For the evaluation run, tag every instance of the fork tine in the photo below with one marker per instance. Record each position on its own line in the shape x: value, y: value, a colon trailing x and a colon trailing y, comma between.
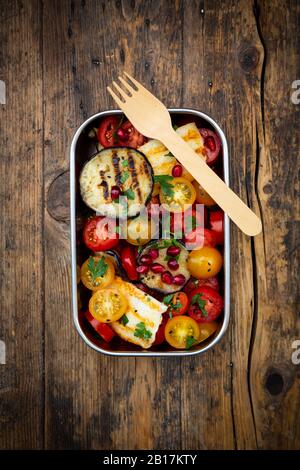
x: 137, y: 84
x: 120, y: 90
x: 115, y: 97
x: 127, y: 85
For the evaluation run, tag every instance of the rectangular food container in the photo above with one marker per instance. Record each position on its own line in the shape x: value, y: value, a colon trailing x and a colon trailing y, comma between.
x: 81, y: 149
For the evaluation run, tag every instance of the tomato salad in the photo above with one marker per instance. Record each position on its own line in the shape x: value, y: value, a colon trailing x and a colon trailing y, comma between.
x: 141, y: 286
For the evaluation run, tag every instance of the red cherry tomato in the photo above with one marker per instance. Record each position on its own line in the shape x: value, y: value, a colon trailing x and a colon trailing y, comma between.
x: 216, y: 220
x: 132, y: 137
x: 206, y: 304
x: 193, y: 284
x: 160, y: 334
x: 200, y: 237
x: 128, y: 259
x: 107, y: 131
x: 178, y: 305
x: 96, y: 235
x: 102, y: 328
x: 212, y: 144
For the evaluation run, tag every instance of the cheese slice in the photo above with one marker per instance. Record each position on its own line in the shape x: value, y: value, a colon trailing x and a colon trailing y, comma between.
x: 143, y: 309
x: 162, y: 161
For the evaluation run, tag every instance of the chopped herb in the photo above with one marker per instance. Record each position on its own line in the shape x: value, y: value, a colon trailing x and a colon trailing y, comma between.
x: 129, y: 193
x: 175, y: 127
x: 196, y: 300
x: 124, y: 177
x: 98, y: 268
x: 168, y: 257
x: 140, y: 248
x: 167, y: 299
x: 165, y: 183
x: 190, y: 341
x: 141, y: 331
x: 170, y: 314
x: 124, y: 320
x: 169, y: 154
x: 117, y: 229
x: 124, y: 163
x: 166, y: 243
x: 177, y: 305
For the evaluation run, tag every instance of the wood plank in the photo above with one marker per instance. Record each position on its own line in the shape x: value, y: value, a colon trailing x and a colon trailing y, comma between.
x: 93, y: 401
x: 274, y: 378
x: 216, y: 83
x: 21, y: 227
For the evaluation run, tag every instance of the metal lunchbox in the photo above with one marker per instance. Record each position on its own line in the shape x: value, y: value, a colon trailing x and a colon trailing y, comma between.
x: 83, y: 148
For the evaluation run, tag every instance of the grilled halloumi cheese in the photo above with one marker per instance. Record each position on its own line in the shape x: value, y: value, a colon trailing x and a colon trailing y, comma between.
x: 162, y: 161
x: 142, y: 309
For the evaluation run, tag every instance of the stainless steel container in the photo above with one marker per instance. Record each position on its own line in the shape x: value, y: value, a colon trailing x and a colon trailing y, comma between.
x: 80, y: 151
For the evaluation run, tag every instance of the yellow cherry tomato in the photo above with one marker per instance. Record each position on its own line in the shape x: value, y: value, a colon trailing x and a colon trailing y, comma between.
x: 202, y: 196
x: 182, y: 332
x: 108, y: 305
x: 180, y: 195
x: 205, y: 263
x: 206, y: 330
x: 97, y: 272
x: 139, y: 231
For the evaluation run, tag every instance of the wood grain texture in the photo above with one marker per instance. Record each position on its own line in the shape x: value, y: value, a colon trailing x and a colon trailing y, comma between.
x: 236, y: 61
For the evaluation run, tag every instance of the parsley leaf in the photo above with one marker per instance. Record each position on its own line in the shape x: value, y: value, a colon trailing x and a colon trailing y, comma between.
x: 129, y: 193
x: 196, y: 300
x: 169, y: 154
x: 98, y: 268
x: 124, y: 177
x: 124, y: 163
x: 141, y: 331
x: 165, y: 183
x: 167, y: 299
x: 124, y: 320
x: 166, y: 243
x: 190, y: 341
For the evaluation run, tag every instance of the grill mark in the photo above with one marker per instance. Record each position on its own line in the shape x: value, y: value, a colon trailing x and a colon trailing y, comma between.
x: 146, y: 168
x: 117, y: 170
x: 134, y: 176
x: 104, y: 185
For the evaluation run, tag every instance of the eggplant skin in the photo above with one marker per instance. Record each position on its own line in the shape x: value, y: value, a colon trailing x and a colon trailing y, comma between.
x: 124, y: 167
x: 153, y: 281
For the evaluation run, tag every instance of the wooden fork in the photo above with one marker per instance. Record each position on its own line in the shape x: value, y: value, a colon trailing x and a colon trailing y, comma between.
x: 151, y: 118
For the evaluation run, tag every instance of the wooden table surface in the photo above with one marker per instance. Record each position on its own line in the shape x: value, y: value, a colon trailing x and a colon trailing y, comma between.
x: 235, y: 60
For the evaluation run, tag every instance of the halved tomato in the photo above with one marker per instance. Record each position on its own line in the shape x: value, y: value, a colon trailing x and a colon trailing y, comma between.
x: 202, y: 196
x: 96, y: 235
x: 139, y: 231
x: 179, y: 195
x: 212, y: 144
x: 108, y: 305
x: 216, y: 220
x: 207, y: 329
x: 101, y: 328
x: 200, y: 237
x: 107, y: 131
x: 182, y: 332
x: 194, y: 283
x: 206, y: 304
x: 129, y: 136
x: 97, y: 272
x: 178, y: 304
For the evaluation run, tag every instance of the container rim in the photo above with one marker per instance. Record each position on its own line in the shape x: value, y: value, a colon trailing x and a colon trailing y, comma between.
x: 226, y: 267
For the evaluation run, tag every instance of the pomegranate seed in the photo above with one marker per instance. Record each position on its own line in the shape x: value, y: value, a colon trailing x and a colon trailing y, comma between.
x: 153, y: 253
x: 179, y: 280
x: 115, y: 192
x: 142, y: 269
x: 173, y: 264
x: 123, y: 135
x: 167, y: 277
x: 210, y: 143
x: 157, y: 268
x: 146, y: 259
x: 177, y: 171
x: 173, y: 250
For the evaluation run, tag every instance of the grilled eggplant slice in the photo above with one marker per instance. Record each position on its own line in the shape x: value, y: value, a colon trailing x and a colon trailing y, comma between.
x: 155, y: 280
x: 124, y: 167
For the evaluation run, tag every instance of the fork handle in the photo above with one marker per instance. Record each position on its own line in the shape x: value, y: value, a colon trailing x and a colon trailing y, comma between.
x: 234, y: 207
